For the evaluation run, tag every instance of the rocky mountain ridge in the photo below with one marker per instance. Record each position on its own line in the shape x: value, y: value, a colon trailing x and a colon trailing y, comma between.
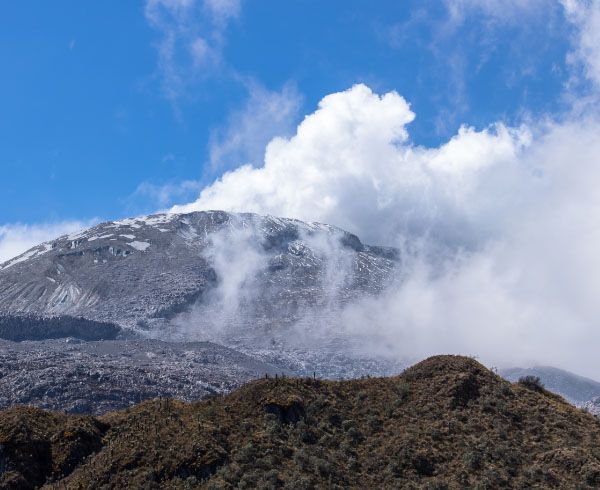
x: 144, y: 273
x: 241, y: 280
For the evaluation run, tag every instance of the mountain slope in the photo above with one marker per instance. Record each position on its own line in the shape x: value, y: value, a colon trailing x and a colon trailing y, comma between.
x: 447, y: 422
x: 576, y: 389
x: 144, y: 273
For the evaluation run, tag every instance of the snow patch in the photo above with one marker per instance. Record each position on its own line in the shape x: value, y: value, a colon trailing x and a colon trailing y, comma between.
x: 130, y: 237
x: 20, y: 258
x: 157, y: 219
x: 100, y: 237
x: 139, y: 245
x: 190, y: 233
x: 76, y: 235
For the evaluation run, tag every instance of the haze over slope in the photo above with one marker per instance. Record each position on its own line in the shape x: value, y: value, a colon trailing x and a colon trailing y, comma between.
x: 201, y: 275
x: 508, y: 214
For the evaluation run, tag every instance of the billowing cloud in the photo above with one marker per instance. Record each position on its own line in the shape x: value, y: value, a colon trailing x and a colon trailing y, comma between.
x: 351, y: 164
x: 504, y: 222
x: 18, y: 238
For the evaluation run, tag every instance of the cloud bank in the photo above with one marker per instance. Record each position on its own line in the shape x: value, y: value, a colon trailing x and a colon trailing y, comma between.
x: 504, y: 221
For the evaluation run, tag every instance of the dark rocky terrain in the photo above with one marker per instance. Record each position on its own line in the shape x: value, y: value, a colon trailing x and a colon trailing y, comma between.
x: 98, y: 377
x: 592, y: 406
x: 446, y: 423
x: 19, y: 327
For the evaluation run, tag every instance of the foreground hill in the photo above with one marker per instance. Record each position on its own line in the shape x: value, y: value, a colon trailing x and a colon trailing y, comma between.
x: 447, y: 422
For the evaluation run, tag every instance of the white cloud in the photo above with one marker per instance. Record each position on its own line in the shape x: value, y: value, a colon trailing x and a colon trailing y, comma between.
x: 192, y: 38
x: 504, y: 220
x: 18, y: 238
x: 585, y: 15
x: 165, y: 195
x: 248, y: 130
x: 350, y: 164
x: 504, y: 10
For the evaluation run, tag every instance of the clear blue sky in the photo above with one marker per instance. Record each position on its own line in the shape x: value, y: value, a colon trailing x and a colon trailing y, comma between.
x: 89, y: 111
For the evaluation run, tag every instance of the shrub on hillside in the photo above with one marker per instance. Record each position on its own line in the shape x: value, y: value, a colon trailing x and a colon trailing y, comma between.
x: 532, y: 382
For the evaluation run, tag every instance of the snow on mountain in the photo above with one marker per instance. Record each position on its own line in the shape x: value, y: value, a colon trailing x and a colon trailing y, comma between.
x: 187, y: 276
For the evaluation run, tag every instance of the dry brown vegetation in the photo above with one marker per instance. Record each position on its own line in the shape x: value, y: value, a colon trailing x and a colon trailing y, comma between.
x: 447, y: 422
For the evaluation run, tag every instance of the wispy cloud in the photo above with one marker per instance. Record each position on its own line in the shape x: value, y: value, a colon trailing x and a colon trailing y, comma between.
x: 241, y: 140
x: 585, y: 15
x: 167, y: 158
x: 265, y: 115
x: 17, y: 238
x: 191, y: 39
x: 501, y: 10
x: 582, y: 15
x: 167, y: 194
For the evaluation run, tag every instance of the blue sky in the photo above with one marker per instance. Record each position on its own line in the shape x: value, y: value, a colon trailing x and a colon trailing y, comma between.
x: 90, y: 112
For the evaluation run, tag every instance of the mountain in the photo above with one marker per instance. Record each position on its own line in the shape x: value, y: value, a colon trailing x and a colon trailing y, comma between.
x: 445, y: 423
x: 197, y: 275
x: 576, y: 389
x: 181, y: 305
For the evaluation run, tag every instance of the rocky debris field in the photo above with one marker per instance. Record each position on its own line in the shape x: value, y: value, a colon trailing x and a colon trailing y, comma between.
x: 97, y: 377
x: 75, y: 376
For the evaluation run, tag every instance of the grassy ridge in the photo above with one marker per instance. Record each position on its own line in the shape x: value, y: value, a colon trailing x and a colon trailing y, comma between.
x: 447, y: 422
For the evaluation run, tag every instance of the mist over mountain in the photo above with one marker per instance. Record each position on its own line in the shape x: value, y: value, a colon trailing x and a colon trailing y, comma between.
x: 261, y: 284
